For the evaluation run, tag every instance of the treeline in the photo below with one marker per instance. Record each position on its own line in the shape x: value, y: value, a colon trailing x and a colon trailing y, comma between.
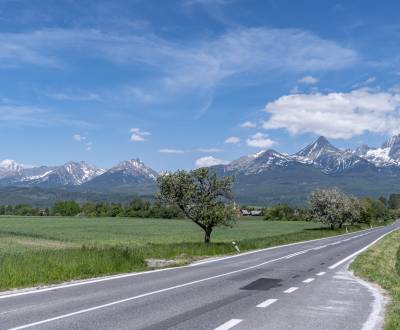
x: 335, y: 208
x: 137, y: 208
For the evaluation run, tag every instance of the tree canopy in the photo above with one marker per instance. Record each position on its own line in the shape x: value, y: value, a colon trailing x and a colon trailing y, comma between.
x: 201, y: 196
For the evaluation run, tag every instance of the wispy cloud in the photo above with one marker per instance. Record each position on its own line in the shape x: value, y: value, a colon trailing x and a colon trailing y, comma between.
x: 232, y: 140
x: 209, y: 149
x: 24, y: 115
x: 171, y: 151
x: 366, y: 82
x: 308, y: 80
x: 82, y: 140
x: 79, y: 96
x: 248, y: 124
x: 180, y: 67
x: 137, y: 135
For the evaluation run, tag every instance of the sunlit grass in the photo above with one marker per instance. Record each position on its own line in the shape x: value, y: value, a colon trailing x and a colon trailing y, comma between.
x: 381, y: 264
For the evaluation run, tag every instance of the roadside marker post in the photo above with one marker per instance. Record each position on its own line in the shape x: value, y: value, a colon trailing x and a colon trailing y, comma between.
x: 236, y: 246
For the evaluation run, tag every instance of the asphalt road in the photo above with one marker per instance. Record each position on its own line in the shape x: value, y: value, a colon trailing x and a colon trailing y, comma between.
x: 299, y: 286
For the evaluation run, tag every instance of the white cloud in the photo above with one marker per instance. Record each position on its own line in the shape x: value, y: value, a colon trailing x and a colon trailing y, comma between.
x: 260, y: 140
x: 210, y: 161
x: 138, y: 135
x: 171, y: 151
x: 248, y: 124
x: 309, y: 80
x: 232, y: 140
x: 336, y: 115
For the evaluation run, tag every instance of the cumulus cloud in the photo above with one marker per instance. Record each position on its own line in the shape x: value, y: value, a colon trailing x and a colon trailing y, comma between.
x: 138, y: 135
x: 260, y: 140
x: 248, y: 124
x: 171, y: 151
x: 309, y: 80
x: 210, y: 161
x: 336, y: 115
x: 232, y: 140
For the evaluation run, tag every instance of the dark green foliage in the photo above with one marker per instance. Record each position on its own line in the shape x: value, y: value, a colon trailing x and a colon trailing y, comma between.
x: 280, y: 212
x: 394, y: 201
x: 374, y: 211
x: 67, y: 208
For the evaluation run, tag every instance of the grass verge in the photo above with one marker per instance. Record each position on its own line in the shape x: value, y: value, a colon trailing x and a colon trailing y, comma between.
x: 381, y: 264
x: 23, y: 268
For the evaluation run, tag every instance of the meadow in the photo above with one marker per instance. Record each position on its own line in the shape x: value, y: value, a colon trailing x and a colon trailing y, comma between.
x: 43, y: 250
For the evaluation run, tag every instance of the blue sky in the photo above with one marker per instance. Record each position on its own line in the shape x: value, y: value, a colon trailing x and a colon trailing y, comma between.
x: 177, y: 83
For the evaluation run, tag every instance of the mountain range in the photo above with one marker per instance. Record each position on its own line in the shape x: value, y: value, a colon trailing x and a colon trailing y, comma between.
x: 266, y: 177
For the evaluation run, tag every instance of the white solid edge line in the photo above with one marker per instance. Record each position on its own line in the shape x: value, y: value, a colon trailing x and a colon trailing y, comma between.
x: 290, y: 290
x: 267, y: 303
x: 360, y: 251
x: 116, y: 277
x: 25, y: 326
x: 309, y: 280
x: 228, y: 325
x: 321, y: 273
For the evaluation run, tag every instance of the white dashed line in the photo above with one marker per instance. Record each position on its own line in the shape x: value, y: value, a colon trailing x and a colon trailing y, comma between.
x: 290, y: 290
x: 267, y: 303
x: 309, y: 280
x: 228, y: 325
x: 321, y: 273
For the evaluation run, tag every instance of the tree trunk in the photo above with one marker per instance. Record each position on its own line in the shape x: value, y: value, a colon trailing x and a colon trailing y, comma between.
x: 340, y: 225
x: 332, y: 226
x: 207, y: 235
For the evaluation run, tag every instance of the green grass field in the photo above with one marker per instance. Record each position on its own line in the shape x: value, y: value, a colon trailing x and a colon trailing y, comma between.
x: 381, y: 264
x: 41, y: 250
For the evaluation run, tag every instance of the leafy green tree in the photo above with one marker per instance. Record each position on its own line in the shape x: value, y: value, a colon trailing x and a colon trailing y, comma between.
x: 374, y: 211
x: 201, y: 196
x: 66, y: 208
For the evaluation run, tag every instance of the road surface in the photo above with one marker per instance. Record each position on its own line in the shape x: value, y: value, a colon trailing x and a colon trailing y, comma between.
x: 298, y: 286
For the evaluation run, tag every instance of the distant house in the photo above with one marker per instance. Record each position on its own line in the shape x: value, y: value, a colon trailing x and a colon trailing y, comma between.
x: 253, y: 213
x: 256, y: 213
x: 245, y: 212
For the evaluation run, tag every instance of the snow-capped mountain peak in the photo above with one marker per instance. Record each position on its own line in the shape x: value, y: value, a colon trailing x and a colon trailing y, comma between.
x: 134, y: 167
x: 10, y: 167
x: 318, y: 148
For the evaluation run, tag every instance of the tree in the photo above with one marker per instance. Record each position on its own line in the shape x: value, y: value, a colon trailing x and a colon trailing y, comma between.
x: 201, y: 196
x: 279, y: 212
x: 333, y: 207
x: 66, y: 208
x: 394, y: 201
